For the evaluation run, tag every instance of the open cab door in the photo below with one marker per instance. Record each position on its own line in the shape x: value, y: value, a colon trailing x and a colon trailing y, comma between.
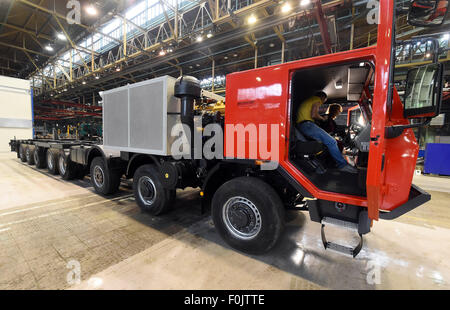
x: 422, y: 96
x: 385, y: 63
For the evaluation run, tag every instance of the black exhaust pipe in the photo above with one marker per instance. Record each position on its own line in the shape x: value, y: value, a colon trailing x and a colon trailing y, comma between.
x: 188, y: 89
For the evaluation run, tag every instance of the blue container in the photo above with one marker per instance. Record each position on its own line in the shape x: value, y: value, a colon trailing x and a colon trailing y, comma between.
x: 437, y: 158
x: 421, y: 153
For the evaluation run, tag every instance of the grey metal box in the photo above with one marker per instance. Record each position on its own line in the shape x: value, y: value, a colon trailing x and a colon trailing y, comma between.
x: 139, y: 117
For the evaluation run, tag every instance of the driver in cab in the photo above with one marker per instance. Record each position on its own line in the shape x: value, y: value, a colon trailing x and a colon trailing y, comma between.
x: 307, y: 113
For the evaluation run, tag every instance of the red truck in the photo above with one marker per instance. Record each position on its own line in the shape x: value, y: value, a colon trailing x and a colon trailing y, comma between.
x: 263, y: 167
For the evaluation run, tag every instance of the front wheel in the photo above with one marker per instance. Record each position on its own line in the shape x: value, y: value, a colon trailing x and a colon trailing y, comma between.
x: 149, y: 192
x: 248, y: 214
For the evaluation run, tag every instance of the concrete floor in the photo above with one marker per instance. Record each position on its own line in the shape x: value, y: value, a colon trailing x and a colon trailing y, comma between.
x: 49, y: 228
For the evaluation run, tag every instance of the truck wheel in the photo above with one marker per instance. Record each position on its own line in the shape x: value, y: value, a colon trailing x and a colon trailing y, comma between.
x: 22, y: 150
x: 67, y: 168
x: 52, y: 162
x: 39, y: 158
x: 29, y: 154
x: 105, y: 181
x: 149, y: 192
x: 248, y: 214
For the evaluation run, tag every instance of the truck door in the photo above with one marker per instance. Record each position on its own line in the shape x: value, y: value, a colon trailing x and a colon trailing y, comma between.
x: 382, y: 95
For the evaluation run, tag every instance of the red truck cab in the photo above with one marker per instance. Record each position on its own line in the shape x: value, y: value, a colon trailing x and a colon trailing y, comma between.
x: 269, y: 97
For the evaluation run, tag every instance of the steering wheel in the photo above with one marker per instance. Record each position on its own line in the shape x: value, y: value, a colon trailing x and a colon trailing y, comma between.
x: 356, y: 128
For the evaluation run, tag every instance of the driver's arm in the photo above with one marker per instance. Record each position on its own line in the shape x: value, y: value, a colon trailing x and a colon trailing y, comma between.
x: 315, y: 112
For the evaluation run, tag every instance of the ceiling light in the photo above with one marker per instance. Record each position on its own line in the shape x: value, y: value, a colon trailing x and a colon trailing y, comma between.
x: 209, y: 35
x: 362, y: 64
x: 252, y: 19
x: 428, y: 55
x: 198, y: 65
x: 91, y: 10
x: 61, y: 36
x: 84, y: 82
x: 49, y: 48
x: 305, y: 2
x: 118, y: 69
x: 271, y: 45
x: 235, y: 55
x: 226, y: 57
x: 199, y: 38
x: 286, y: 7
x: 162, y: 53
x: 97, y: 77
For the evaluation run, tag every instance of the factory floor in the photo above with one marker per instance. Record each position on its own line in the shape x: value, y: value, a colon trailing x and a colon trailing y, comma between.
x: 53, y: 233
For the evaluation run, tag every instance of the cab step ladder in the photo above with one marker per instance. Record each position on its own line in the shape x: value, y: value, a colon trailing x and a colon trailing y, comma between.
x: 329, y: 221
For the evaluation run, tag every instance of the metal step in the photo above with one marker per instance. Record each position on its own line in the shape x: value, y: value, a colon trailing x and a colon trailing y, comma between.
x: 342, y: 249
x: 330, y: 221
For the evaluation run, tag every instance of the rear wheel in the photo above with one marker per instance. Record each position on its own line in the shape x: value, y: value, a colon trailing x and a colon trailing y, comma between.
x: 29, y: 154
x: 52, y: 164
x: 39, y: 158
x: 149, y: 192
x: 67, y: 168
x: 105, y: 180
x: 248, y: 214
x: 22, y: 155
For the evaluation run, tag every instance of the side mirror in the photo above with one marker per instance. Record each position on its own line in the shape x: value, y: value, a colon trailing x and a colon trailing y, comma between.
x: 423, y: 93
x: 425, y: 13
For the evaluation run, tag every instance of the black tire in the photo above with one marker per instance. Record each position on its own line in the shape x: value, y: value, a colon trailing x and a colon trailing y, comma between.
x: 105, y: 181
x: 29, y: 154
x: 68, y: 170
x: 52, y: 162
x: 22, y: 154
x: 39, y: 158
x: 149, y: 192
x: 248, y: 214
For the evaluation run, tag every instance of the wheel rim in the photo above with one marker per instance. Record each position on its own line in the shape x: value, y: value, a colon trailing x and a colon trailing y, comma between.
x: 99, y: 176
x: 62, y: 165
x: 147, y: 190
x: 50, y: 161
x: 242, y: 218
